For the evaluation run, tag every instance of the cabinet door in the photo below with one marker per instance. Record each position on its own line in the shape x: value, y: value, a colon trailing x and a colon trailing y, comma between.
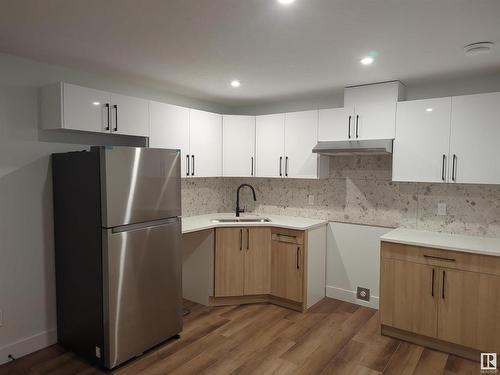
x: 474, y: 141
x: 229, y: 262
x: 421, y: 146
x: 287, y: 270
x: 374, y: 108
x: 270, y: 145
x: 205, y: 144
x: 238, y: 146
x: 85, y: 109
x: 257, y: 261
x: 334, y: 125
x: 130, y: 116
x: 469, y: 309
x: 301, y: 135
x: 169, y: 128
x: 409, y: 296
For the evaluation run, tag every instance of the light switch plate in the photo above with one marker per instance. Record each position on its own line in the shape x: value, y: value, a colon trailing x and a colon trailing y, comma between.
x: 310, y: 199
x: 1, y: 317
x: 441, y: 211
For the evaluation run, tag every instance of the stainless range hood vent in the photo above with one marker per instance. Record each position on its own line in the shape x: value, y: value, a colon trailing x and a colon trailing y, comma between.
x: 368, y: 147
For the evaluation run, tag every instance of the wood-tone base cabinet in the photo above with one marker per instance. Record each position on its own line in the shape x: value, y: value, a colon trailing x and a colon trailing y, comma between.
x: 449, y: 296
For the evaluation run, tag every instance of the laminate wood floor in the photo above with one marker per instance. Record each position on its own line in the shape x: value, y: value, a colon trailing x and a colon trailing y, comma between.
x: 334, y: 337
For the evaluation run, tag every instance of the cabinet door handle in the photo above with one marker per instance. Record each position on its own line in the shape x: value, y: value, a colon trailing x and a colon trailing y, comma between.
x: 298, y: 251
x: 432, y: 288
x: 241, y: 239
x: 443, y: 168
x: 248, y: 239
x: 286, y: 166
x: 357, y: 126
x: 453, y: 168
x: 116, y: 117
x: 192, y: 159
x: 440, y: 258
x: 108, y: 112
x: 251, y: 169
x: 349, y: 128
x: 281, y: 161
x: 442, y: 290
x: 187, y: 165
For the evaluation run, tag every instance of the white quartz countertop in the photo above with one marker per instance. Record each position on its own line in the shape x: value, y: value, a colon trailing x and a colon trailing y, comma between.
x: 446, y: 241
x: 202, y: 222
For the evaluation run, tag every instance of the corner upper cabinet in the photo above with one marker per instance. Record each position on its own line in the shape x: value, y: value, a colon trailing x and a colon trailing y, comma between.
x: 474, y: 140
x: 205, y: 144
x: 72, y: 107
x: 421, y: 147
x: 270, y: 145
x: 238, y: 146
x: 169, y: 128
x: 370, y: 110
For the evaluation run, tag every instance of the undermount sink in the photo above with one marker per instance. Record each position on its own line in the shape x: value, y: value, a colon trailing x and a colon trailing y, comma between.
x: 242, y: 220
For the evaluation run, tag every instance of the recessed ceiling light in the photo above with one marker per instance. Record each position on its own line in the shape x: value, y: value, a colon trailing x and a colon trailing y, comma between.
x: 367, y: 60
x: 480, y: 48
x: 96, y: 103
x: 428, y: 109
x: 235, y: 83
x: 285, y: 2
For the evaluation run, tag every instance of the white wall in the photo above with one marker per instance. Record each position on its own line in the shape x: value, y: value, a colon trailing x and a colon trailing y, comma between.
x: 353, y: 259
x: 27, y: 289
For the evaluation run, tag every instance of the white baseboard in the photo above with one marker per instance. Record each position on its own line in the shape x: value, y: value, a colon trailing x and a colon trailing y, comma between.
x: 350, y: 296
x: 28, y: 345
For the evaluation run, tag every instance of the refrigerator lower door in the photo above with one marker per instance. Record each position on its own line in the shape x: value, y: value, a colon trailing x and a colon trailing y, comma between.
x: 142, y: 287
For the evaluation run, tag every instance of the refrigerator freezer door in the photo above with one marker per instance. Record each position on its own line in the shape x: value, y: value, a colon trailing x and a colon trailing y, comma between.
x: 139, y: 185
x: 142, y: 288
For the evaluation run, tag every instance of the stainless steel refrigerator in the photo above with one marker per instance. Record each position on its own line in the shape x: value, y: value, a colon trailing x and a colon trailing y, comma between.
x: 118, y: 251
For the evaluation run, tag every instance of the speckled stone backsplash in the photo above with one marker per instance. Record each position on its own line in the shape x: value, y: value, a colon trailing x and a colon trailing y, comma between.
x: 359, y: 190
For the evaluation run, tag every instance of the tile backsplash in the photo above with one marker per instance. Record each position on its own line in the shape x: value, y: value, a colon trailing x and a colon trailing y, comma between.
x: 359, y: 190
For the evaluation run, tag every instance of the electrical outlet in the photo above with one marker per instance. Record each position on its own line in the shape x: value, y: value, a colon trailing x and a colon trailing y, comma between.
x: 363, y: 294
x: 310, y: 199
x: 441, y: 211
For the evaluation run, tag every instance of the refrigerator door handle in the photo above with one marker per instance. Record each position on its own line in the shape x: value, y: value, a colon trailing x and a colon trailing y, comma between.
x: 147, y: 224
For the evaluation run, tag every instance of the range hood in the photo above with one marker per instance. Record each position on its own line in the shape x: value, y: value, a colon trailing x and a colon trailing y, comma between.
x: 366, y: 147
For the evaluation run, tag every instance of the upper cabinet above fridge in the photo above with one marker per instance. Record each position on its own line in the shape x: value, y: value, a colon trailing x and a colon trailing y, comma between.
x: 72, y: 107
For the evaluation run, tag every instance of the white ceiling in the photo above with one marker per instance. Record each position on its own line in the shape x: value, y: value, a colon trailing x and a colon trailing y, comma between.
x: 196, y: 47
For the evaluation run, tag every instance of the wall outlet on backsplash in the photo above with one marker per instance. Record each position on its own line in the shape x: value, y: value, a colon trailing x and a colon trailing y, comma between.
x: 441, y: 210
x: 310, y: 199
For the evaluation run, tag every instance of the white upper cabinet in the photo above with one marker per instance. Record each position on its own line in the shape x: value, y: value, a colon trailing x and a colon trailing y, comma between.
x: 421, y: 146
x: 475, y: 139
x: 238, y: 146
x: 333, y: 125
x: 66, y: 106
x: 169, y: 128
x: 270, y: 145
x: 370, y: 110
x: 205, y: 144
x: 301, y: 135
x: 130, y: 116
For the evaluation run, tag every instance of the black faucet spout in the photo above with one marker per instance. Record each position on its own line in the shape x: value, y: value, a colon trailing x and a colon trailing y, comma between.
x: 238, y: 210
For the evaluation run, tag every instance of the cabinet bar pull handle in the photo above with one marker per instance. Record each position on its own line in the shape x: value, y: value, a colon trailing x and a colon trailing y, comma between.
x: 187, y: 165
x: 108, y: 116
x: 116, y: 117
x: 281, y: 160
x: 192, y: 158
x: 286, y: 166
x: 444, y: 275
x: 248, y: 238
x: 443, y: 168
x: 298, y: 250
x: 357, y: 126
x: 349, y: 129
x: 251, y: 170
x: 440, y: 258
x: 453, y: 168
x: 433, y: 274
x: 241, y: 239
